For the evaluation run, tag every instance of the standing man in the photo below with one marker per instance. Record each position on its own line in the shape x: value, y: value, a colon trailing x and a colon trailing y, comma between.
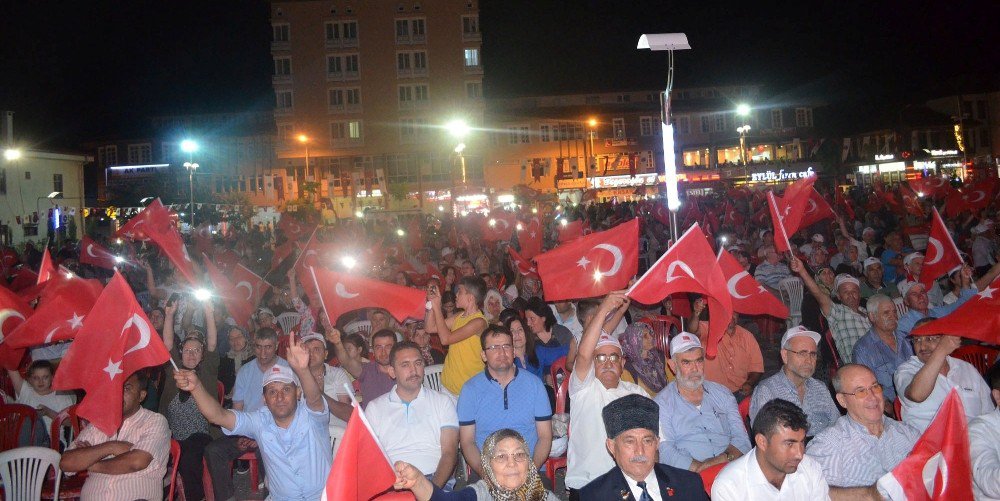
x: 984, y: 247
x: 631, y: 424
x: 594, y: 383
x: 848, y: 320
x: 413, y: 423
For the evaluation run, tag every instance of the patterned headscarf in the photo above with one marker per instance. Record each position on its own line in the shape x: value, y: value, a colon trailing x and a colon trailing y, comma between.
x: 532, y: 488
x: 651, y: 369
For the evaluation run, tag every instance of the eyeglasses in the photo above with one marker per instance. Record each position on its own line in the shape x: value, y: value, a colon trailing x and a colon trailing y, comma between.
x: 924, y: 339
x: 875, y: 389
x: 518, y: 457
x: 604, y: 358
x: 265, y: 346
x: 805, y: 353
x: 504, y: 347
x: 192, y: 351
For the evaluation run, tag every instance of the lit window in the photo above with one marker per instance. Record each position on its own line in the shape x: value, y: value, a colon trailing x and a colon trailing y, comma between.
x: 471, y: 58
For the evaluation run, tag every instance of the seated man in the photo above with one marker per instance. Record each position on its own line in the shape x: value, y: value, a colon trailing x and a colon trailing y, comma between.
x: 700, y: 420
x: 917, y: 300
x: 794, y: 382
x: 631, y: 425
x: 872, y: 282
x: 984, y: 440
x: 865, y: 444
x: 848, y: 320
x: 883, y: 349
x: 738, y: 364
x: 413, y: 423
x: 777, y: 468
x: 503, y: 397
x: 925, y: 380
x: 293, y: 436
x: 913, y: 263
x: 332, y: 380
x: 373, y: 377
x: 771, y: 271
x: 132, y: 465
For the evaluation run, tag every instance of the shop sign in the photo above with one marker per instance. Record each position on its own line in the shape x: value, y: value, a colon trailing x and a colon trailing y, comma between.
x: 943, y: 153
x: 624, y: 180
x: 630, y: 141
x: 882, y: 168
x: 879, y: 158
x: 781, y: 175
x: 571, y: 184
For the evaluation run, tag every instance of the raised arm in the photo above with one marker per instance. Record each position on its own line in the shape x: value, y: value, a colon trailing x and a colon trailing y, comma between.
x: 16, y: 380
x: 924, y: 380
x: 444, y: 327
x: 298, y: 359
x: 211, y: 330
x: 987, y: 278
x: 208, y: 405
x: 825, y: 303
x: 352, y: 365
x: 694, y: 321
x: 592, y: 333
x: 168, y: 325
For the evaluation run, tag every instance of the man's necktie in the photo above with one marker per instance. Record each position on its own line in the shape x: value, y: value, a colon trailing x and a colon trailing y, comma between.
x: 645, y: 494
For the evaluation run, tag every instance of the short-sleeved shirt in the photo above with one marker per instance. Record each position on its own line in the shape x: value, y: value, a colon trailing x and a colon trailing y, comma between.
x: 373, y: 382
x: 853, y: 457
x: 737, y: 356
x: 911, y: 317
x: 743, y: 480
x: 889, y: 270
x: 984, y: 445
x: 847, y: 327
x: 56, y: 400
x: 872, y: 352
x: 817, y: 403
x: 868, y: 291
x: 463, y: 360
x: 334, y: 379
x: 146, y: 431
x: 771, y: 274
x: 699, y: 432
x: 490, y: 407
x: 587, y: 456
x: 962, y: 376
x: 411, y: 431
x: 297, y: 459
x: 249, y: 387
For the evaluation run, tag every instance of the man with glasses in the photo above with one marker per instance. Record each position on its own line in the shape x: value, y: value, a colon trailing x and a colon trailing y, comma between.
x: 925, y: 380
x: 594, y: 383
x: 700, y: 419
x: 865, y: 444
x: 503, y: 397
x: 794, y: 382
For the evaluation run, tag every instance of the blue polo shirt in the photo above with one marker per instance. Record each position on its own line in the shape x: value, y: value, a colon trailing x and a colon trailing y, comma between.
x: 484, y: 403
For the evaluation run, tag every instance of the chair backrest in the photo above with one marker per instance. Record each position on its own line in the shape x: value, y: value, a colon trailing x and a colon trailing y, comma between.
x: 901, y: 307
x: 663, y: 327
x: 744, y: 409
x: 981, y: 357
x: 288, y: 321
x: 708, y: 475
x: 66, y: 418
x: 24, y: 470
x: 432, y: 376
x: 13, y: 417
x: 175, y: 459
x: 791, y: 292
x: 897, y: 407
x: 559, y: 365
x: 562, y: 394
x: 363, y: 327
x: 6, y: 385
x: 220, y: 392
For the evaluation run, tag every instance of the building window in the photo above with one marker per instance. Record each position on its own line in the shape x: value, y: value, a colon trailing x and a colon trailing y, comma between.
x: 683, y: 125
x: 420, y: 62
x: 347, y: 132
x: 624, y: 98
x: 545, y: 133
x: 646, y: 126
x: 519, y: 134
x: 403, y: 63
x: 474, y: 90
x: 471, y: 58
x: 57, y: 182
x: 283, y: 100
x: 592, y: 99
x: 411, y: 30
x: 139, y: 154
x: 107, y: 156
x: 353, y: 97
x: 336, y: 99
x: 776, y: 122
x: 285, y: 131
x: 618, y: 128
x: 413, y: 96
x: 283, y: 67
x: 281, y: 33
x: 341, y: 34
x: 343, y: 67
x: 411, y: 63
x: 413, y: 130
x: 803, y: 117
x: 720, y: 123
x: 470, y: 27
x: 706, y: 124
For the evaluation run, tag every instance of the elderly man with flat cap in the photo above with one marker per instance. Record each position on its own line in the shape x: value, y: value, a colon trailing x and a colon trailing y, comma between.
x: 632, y: 424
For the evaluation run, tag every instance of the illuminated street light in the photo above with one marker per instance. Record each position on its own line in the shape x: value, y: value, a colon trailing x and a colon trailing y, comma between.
x: 458, y: 128
x: 189, y: 146
x: 191, y: 167
x: 743, y: 110
x: 400, y: 232
x: 460, y: 148
x: 592, y: 122
x: 359, y: 214
x: 11, y: 154
x: 304, y: 139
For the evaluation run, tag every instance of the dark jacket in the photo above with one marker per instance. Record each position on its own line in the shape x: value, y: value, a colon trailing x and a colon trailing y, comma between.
x: 675, y: 485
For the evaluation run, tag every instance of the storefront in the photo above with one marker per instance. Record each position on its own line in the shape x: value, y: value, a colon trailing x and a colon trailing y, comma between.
x: 886, y: 168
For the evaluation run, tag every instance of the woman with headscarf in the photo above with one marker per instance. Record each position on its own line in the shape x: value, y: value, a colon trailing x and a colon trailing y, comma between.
x: 240, y: 352
x: 509, y: 475
x: 492, y: 306
x: 643, y: 361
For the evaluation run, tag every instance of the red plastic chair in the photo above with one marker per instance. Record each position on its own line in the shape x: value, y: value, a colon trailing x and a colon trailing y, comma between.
x: 897, y: 407
x: 558, y: 366
x: 744, y: 408
x: 220, y: 391
x: 71, y: 486
x: 562, y: 393
x: 661, y: 325
x: 12, y: 419
x: 981, y: 357
x: 249, y: 456
x: 708, y: 475
x: 175, y: 458
x: 6, y: 385
x: 66, y: 417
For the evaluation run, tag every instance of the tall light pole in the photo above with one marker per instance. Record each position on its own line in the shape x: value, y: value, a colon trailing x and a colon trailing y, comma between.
x: 668, y: 42
x: 592, y: 131
x: 743, y: 110
x: 188, y: 146
x: 458, y: 129
x: 304, y: 139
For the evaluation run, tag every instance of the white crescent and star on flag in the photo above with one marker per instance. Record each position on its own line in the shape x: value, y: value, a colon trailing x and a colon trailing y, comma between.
x: 616, y: 253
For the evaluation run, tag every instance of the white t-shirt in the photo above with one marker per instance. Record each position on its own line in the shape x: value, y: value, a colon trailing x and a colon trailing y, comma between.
x: 984, y: 440
x: 962, y: 375
x: 334, y: 379
x: 411, y: 431
x: 56, y: 401
x: 743, y: 480
x: 587, y: 457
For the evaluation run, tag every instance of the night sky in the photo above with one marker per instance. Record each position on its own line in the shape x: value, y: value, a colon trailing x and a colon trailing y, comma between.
x: 75, y: 71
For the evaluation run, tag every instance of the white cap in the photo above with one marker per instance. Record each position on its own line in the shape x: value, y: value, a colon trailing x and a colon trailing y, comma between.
x: 911, y: 256
x: 905, y: 286
x: 797, y: 331
x: 844, y: 278
x: 817, y: 238
x: 868, y: 229
x: 682, y: 342
x: 312, y: 336
x: 608, y: 340
x: 279, y: 374
x: 983, y: 227
x: 870, y: 261
x: 446, y: 251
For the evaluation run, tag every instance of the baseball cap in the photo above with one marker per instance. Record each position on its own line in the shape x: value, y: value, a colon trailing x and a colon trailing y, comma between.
x: 844, y: 278
x: 911, y: 256
x: 607, y: 340
x: 905, y: 286
x: 265, y: 310
x: 682, y: 342
x: 279, y: 374
x: 868, y: 229
x: 312, y: 336
x: 983, y: 226
x: 872, y: 260
x: 817, y: 238
x: 797, y: 331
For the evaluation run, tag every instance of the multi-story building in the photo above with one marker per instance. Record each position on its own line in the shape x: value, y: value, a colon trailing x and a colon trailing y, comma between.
x: 362, y: 93
x: 975, y: 115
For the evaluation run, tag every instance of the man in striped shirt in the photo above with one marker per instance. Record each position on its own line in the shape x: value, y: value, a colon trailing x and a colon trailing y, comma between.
x: 848, y: 320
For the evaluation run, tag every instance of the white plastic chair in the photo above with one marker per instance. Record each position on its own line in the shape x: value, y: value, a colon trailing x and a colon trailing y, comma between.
x: 432, y: 376
x: 901, y: 307
x: 289, y: 321
x: 23, y: 472
x: 791, y: 294
x: 363, y: 327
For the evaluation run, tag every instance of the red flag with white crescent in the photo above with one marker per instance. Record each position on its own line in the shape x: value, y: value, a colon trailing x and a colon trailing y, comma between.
x: 340, y: 293
x: 941, y: 255
x: 47, y: 269
x: 749, y: 296
x: 95, y: 254
x: 591, y: 265
x: 13, y: 312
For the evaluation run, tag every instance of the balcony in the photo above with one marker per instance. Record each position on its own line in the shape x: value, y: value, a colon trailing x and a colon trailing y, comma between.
x: 347, y: 142
x: 474, y: 70
x: 281, y: 46
x: 341, y: 43
x: 281, y: 79
x: 472, y: 37
x: 342, y: 76
x: 344, y: 108
x: 283, y: 112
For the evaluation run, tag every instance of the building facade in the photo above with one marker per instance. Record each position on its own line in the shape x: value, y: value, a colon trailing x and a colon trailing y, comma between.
x: 41, y: 192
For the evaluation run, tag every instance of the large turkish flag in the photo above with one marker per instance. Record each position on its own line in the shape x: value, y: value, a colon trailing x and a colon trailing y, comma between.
x: 592, y: 265
x: 941, y: 255
x: 749, y: 296
x: 340, y: 293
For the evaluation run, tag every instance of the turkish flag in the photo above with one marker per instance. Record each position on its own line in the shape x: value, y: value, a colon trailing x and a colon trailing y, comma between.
x: 46, y: 270
x: 817, y: 209
x: 65, y: 303
x: 732, y: 217
x: 237, y: 301
x: 941, y: 255
x: 116, y: 340
x: 570, y: 230
x: 95, y: 254
x: 361, y: 471
x: 592, y: 265
x: 499, y: 226
x: 340, y: 293
x: 844, y: 204
x: 661, y: 213
x: 689, y: 266
x: 524, y: 266
x: 932, y: 186
x: 293, y: 228
x: 137, y: 229
x: 258, y: 287
x: 939, y: 466
x: 911, y: 202
x: 778, y: 215
x: 976, y: 319
x: 13, y: 312
x: 530, y: 238
x: 281, y: 252
x: 166, y: 237
x: 202, y: 237
x: 972, y: 198
x: 749, y: 296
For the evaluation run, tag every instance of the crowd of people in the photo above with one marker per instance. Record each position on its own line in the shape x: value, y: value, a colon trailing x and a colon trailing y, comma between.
x: 804, y: 411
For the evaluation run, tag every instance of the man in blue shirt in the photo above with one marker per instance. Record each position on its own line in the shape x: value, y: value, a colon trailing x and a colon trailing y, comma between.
x: 503, y: 397
x: 883, y: 349
x: 294, y: 439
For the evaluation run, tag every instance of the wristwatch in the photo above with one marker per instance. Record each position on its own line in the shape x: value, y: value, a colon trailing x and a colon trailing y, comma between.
x: 730, y: 456
x: 428, y: 306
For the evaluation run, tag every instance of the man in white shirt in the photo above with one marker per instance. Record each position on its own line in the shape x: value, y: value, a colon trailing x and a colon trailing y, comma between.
x: 414, y: 423
x: 923, y: 381
x: 984, y: 440
x: 594, y: 383
x: 777, y: 468
x: 332, y: 380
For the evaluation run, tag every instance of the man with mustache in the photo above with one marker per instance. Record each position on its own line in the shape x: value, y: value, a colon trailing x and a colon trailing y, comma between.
x: 631, y: 423
x: 700, y: 419
x: 414, y: 423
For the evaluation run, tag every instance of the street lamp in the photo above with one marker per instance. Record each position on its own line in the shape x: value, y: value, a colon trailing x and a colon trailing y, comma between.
x: 458, y: 129
x: 668, y: 42
x: 593, y: 157
x: 304, y: 139
x: 191, y: 167
x: 11, y: 154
